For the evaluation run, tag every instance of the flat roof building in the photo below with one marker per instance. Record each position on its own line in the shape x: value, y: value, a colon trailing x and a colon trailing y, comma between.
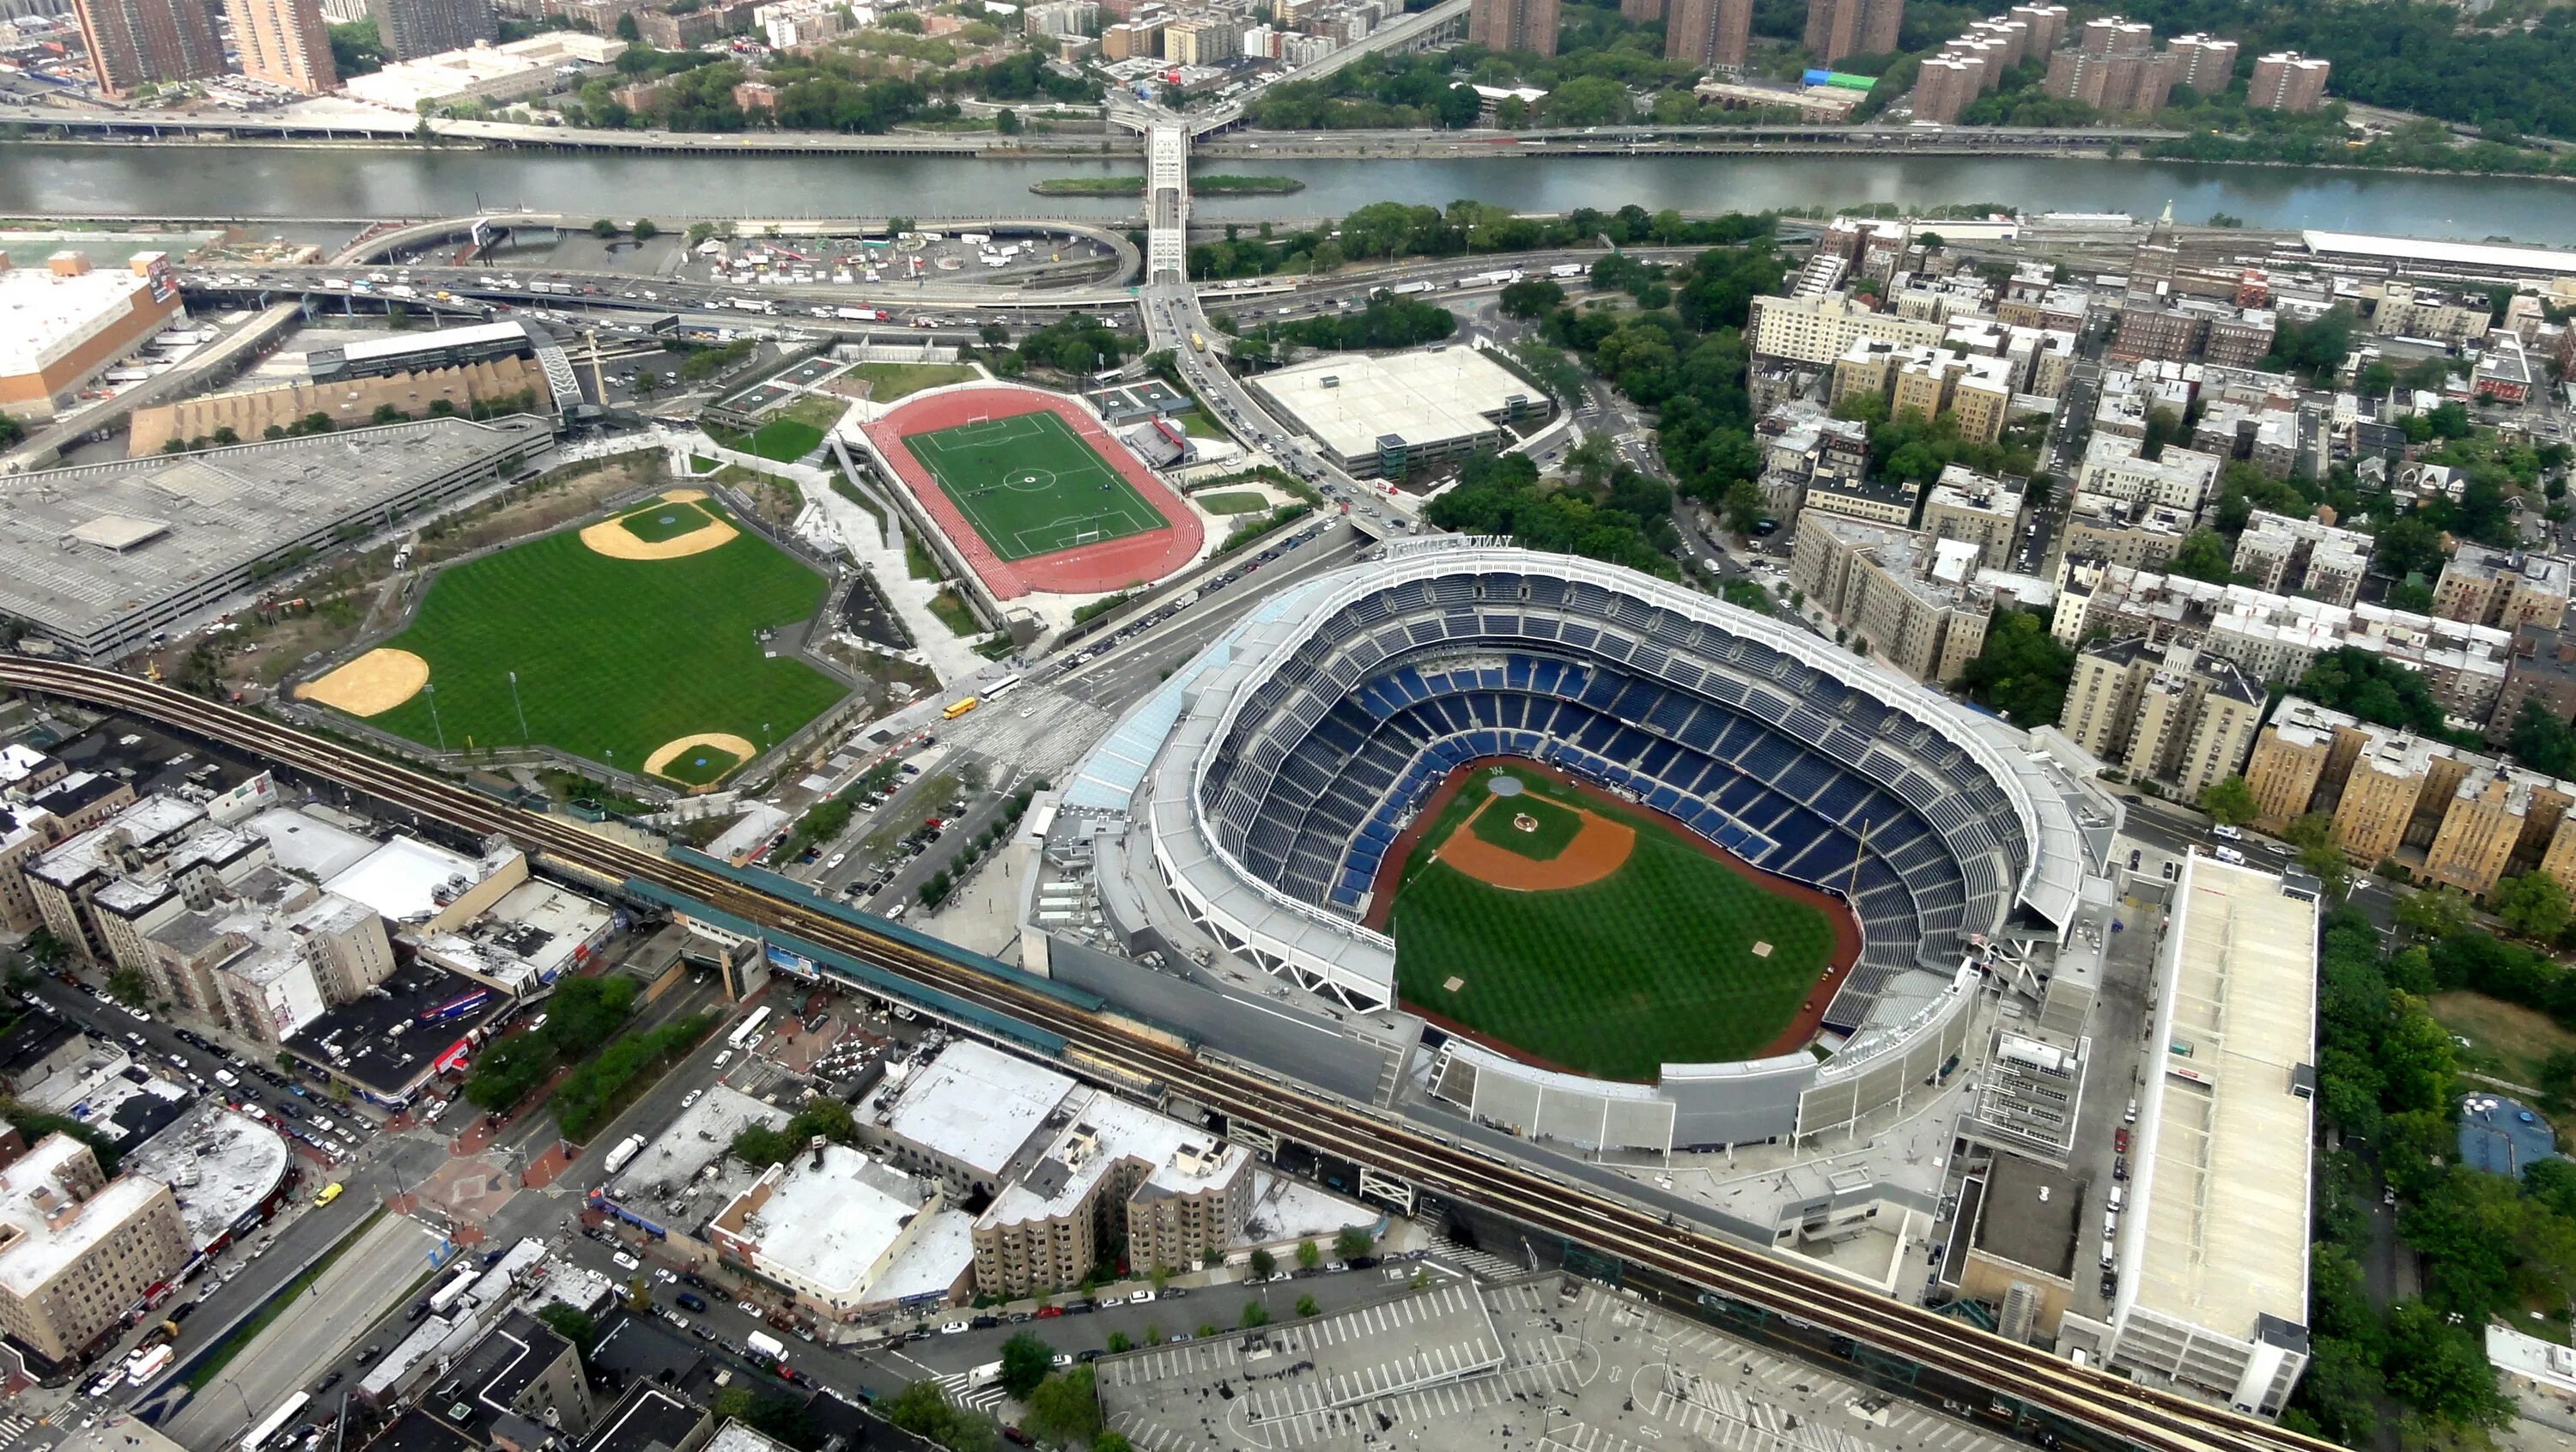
x: 1381, y: 416
x: 225, y: 1169
x: 77, y: 1248
x: 101, y: 556
x: 63, y: 323
x: 832, y: 1226
x: 2213, y: 1247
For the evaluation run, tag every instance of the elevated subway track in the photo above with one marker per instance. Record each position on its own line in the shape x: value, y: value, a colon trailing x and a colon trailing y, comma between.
x: 2083, y: 1400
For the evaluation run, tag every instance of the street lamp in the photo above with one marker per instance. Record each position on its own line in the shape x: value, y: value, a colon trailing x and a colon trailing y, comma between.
x: 515, y: 706
x: 431, y: 690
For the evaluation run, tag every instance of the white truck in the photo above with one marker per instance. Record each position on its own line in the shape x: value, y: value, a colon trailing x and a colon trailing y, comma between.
x: 1568, y: 269
x: 761, y: 1343
x: 1407, y: 289
x: 627, y: 1149
x: 859, y: 315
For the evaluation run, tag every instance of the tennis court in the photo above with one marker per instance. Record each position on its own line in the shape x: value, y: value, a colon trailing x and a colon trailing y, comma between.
x: 1030, y: 486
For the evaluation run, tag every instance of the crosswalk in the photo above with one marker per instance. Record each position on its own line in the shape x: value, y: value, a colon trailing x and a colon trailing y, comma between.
x: 1484, y: 1265
x: 986, y: 1398
x: 13, y: 1427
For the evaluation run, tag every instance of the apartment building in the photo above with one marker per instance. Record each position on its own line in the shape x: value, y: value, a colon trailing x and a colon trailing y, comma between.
x: 2205, y: 63
x: 2542, y: 668
x: 1983, y: 510
x: 1837, y: 28
x: 1912, y: 599
x: 1945, y: 85
x: 284, y: 42
x: 2163, y: 713
x: 411, y: 29
x: 2503, y: 588
x: 2102, y: 531
x: 132, y: 43
x: 1818, y: 331
x: 1928, y: 381
x: 77, y: 1249
x: 1175, y: 1192
x: 2264, y: 434
x: 2288, y: 81
x: 1711, y: 33
x: 2287, y: 556
x: 2277, y: 637
x: 2120, y: 82
x: 1802, y: 446
x: 2116, y: 467
x: 1528, y: 25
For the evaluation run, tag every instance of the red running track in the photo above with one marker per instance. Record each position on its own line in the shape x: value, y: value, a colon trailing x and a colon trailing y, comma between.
x: 1090, y: 569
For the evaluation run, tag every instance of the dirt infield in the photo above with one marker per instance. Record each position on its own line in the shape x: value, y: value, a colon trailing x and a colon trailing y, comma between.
x: 1082, y: 570
x: 370, y: 685
x: 670, y: 751
x: 1838, y: 913
x: 612, y: 538
x: 1600, y: 848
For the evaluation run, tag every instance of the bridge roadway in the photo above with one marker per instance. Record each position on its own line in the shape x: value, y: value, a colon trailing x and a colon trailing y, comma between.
x: 2147, y: 1418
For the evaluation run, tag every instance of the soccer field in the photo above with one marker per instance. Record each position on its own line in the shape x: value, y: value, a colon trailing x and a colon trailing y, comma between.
x: 1030, y: 485
x: 1661, y: 961
x: 614, y: 657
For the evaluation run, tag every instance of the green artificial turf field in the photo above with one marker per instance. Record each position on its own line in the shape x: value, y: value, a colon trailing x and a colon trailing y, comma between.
x: 664, y: 521
x: 614, y: 657
x: 1651, y: 965
x: 1031, y: 486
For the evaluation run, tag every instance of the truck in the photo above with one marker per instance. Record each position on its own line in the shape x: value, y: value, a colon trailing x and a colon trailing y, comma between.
x: 627, y: 1149
x: 859, y: 315
x: 984, y: 1376
x: 452, y: 1292
x: 1568, y: 269
x: 1407, y: 289
x: 761, y: 1343
x: 149, y: 1364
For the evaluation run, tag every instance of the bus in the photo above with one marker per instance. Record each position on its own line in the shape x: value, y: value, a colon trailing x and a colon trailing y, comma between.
x: 1198, y: 342
x: 275, y: 1422
x: 959, y: 708
x: 743, y: 1031
x: 994, y: 691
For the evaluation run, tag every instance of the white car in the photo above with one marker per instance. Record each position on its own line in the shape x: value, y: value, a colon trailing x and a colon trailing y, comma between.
x: 690, y: 1098
x: 626, y: 1262
x: 664, y: 1276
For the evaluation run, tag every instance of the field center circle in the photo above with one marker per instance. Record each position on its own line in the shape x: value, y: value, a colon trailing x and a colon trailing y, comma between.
x: 1029, y: 481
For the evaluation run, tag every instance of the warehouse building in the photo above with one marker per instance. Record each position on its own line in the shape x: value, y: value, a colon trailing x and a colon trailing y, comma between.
x: 62, y: 324
x: 1382, y: 417
x: 100, y: 557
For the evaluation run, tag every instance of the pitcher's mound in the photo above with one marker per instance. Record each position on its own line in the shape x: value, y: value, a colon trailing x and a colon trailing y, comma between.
x: 370, y: 685
x: 612, y: 537
x: 699, y: 760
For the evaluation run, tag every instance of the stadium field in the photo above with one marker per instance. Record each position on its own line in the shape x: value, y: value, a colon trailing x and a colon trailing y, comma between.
x: 615, y: 657
x: 1030, y: 486
x: 1598, y: 937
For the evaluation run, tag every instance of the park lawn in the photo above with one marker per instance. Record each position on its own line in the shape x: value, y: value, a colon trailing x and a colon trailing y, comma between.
x: 2505, y: 1039
x: 821, y: 410
x: 1556, y: 827
x: 1233, y: 501
x: 656, y: 523
x: 1653, y: 964
x: 614, y: 657
x: 783, y: 439
x: 1031, y: 486
x: 890, y: 381
x: 1198, y: 425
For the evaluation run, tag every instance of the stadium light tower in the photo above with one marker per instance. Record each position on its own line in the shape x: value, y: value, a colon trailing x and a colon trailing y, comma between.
x: 515, y: 706
x: 430, y: 689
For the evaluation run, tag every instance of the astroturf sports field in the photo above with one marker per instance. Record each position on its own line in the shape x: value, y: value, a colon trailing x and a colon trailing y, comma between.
x: 1653, y: 964
x: 615, y: 657
x: 1030, y: 485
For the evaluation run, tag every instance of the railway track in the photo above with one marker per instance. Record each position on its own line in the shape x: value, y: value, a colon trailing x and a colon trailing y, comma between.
x: 2144, y: 1417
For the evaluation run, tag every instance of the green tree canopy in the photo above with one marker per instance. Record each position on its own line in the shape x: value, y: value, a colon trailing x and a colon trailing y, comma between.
x: 2022, y: 673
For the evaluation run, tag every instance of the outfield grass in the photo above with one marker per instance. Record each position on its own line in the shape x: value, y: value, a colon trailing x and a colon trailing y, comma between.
x: 1653, y: 964
x: 1031, y: 486
x: 890, y: 381
x: 1233, y: 501
x: 664, y: 521
x: 614, y: 657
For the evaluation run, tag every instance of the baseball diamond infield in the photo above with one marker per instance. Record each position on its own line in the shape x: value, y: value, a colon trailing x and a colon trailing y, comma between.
x: 671, y: 527
x: 700, y: 769
x: 1570, y: 928
x: 949, y: 476
x: 370, y: 685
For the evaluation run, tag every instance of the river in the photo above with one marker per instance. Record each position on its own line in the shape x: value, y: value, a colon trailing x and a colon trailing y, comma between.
x: 327, y: 181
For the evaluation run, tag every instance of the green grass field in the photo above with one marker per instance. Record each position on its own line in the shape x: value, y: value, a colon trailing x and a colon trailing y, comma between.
x: 1030, y: 485
x: 1556, y: 827
x: 664, y: 521
x: 783, y: 438
x: 614, y: 657
x: 1651, y: 965
x: 890, y: 381
x: 1234, y: 501
x: 700, y: 765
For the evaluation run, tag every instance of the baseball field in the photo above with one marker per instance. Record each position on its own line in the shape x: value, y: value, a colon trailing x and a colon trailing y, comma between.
x: 1598, y: 937
x: 633, y: 641
x: 1030, y: 486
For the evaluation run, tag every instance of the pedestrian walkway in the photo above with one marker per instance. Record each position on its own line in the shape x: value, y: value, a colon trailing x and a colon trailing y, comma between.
x: 987, y: 1398
x: 1484, y: 1265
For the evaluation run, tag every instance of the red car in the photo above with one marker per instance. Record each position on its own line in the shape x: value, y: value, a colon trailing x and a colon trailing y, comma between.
x: 1049, y: 1313
x: 2120, y: 1140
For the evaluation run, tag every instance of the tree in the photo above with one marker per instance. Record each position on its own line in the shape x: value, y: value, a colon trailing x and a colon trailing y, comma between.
x: 1255, y: 1314
x: 571, y: 1323
x: 129, y: 987
x: 386, y: 413
x: 1065, y: 1408
x: 2532, y: 905
x: 2022, y: 673
x: 1306, y: 1306
x: 2229, y: 801
x: 1745, y: 506
x: 2203, y: 556
x: 627, y: 30
x: 644, y: 230
x: 1308, y: 1256
x: 1533, y: 297
x: 45, y: 948
x: 2543, y: 741
x: 1119, y: 1341
x: 1026, y: 1360
x: 1264, y: 1265
x: 2434, y: 913
x: 1352, y: 1243
x: 1007, y: 121
x: 995, y: 335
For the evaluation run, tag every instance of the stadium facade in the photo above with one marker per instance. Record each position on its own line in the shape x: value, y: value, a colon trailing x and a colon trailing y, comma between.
x: 1258, y: 791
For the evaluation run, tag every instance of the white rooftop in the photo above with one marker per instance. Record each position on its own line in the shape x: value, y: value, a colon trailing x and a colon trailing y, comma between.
x: 977, y: 1105
x: 830, y: 1227
x: 1116, y: 1130
x: 397, y: 345
x: 218, y: 1163
x: 1350, y: 400
x: 308, y: 846
x: 35, y: 1252
x: 401, y: 878
x: 939, y: 1256
x: 43, y: 316
x: 2418, y: 249
x: 2218, y: 1236
x: 739, y: 1436
x: 663, y: 1181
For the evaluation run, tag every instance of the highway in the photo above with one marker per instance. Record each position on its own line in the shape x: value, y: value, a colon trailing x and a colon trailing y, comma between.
x: 2145, y: 1417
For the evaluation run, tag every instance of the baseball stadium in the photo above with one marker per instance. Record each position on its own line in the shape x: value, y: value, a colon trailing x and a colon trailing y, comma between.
x: 1656, y: 870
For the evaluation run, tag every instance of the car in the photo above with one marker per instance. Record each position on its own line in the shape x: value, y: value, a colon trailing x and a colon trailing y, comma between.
x: 2226, y: 833
x: 138, y: 1015
x: 2120, y: 1140
x: 953, y: 1328
x: 623, y: 1261
x: 691, y: 1097
x: 326, y: 1383
x: 748, y: 1309
x: 134, y: 1038
x: 1049, y: 1313
x: 690, y: 1301
x: 1143, y: 1297
x: 985, y: 1323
